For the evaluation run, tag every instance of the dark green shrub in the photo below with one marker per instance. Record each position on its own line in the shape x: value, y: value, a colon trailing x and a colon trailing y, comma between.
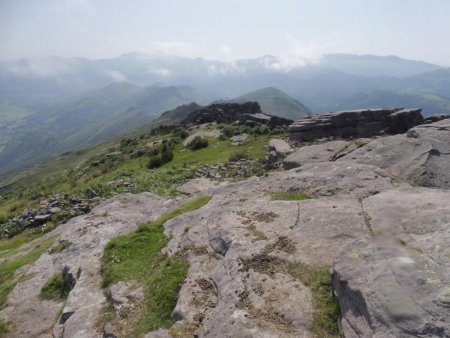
x: 166, y: 156
x: 197, y: 143
x: 154, y: 162
x: 228, y: 131
x: 181, y: 133
x: 261, y: 130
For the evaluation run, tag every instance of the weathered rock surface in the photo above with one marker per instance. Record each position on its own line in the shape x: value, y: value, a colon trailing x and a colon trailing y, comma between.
x: 29, y: 316
x: 386, y: 241
x: 396, y: 283
x: 355, y: 124
x: 202, y: 133
x: 421, y: 157
x: 241, y: 244
x: 280, y: 147
x: 328, y: 151
x: 238, y: 140
x: 196, y: 185
x: 435, y: 118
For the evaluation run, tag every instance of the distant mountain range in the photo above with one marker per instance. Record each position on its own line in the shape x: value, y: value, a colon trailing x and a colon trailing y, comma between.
x: 53, y: 105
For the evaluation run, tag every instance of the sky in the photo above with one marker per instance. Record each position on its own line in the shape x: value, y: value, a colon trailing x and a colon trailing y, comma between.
x: 225, y: 30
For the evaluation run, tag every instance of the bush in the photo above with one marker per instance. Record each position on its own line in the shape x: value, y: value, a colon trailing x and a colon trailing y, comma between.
x: 197, y: 143
x: 154, y: 162
x: 181, y: 133
x: 261, y: 130
x: 240, y: 155
x: 228, y: 131
x: 158, y: 160
x: 166, y: 156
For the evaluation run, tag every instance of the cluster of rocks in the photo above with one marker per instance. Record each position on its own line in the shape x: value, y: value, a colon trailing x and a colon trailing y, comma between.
x: 58, y: 208
x: 355, y: 124
x: 277, y: 151
x: 239, y: 140
x: 248, y: 113
x: 124, y: 185
x: 223, y: 171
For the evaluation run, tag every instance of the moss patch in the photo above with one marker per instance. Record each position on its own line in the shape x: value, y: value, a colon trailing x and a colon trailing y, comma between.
x: 137, y: 256
x: 289, y: 196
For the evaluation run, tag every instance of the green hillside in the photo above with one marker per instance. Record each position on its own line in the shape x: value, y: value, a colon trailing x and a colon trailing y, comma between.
x: 276, y: 102
x: 97, y: 116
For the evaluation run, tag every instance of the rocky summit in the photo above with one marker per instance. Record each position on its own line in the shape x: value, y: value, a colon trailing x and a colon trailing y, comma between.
x: 355, y: 124
x: 248, y: 113
x: 351, y: 239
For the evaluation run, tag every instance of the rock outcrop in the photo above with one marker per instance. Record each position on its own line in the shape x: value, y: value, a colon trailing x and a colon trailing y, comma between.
x: 30, y: 316
x: 396, y: 282
x: 355, y: 124
x: 248, y: 113
x: 382, y: 241
x: 421, y: 156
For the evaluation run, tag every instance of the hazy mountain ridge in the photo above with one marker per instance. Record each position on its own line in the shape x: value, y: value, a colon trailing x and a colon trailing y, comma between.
x: 275, y: 101
x: 55, y: 104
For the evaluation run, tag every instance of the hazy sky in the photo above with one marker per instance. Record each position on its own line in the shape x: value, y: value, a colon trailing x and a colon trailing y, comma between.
x: 225, y: 29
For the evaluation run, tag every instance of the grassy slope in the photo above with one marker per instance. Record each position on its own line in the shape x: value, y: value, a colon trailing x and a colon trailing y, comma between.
x: 9, y: 267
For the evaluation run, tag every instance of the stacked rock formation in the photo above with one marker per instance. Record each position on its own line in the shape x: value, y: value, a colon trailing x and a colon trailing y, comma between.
x: 355, y: 124
x: 248, y: 113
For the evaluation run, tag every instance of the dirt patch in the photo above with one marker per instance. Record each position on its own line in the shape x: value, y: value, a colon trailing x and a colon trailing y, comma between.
x: 252, y: 218
x: 206, y: 297
x: 197, y: 250
x: 268, y: 313
x: 283, y: 244
x: 263, y: 263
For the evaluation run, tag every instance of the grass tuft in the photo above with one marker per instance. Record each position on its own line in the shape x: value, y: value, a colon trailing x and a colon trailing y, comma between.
x: 326, y: 306
x: 3, y: 326
x: 289, y: 196
x: 137, y: 256
x: 56, y: 288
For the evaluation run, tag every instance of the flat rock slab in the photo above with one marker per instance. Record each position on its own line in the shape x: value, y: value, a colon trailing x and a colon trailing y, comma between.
x: 323, y: 152
x: 196, y: 185
x: 239, y: 139
x: 396, y: 283
x: 29, y: 316
x: 355, y: 124
x: 421, y: 156
x: 202, y: 133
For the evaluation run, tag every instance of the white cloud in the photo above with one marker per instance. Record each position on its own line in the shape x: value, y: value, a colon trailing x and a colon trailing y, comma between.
x: 116, y: 75
x: 168, y: 48
x: 46, y: 67
x: 296, y: 57
x: 163, y: 72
